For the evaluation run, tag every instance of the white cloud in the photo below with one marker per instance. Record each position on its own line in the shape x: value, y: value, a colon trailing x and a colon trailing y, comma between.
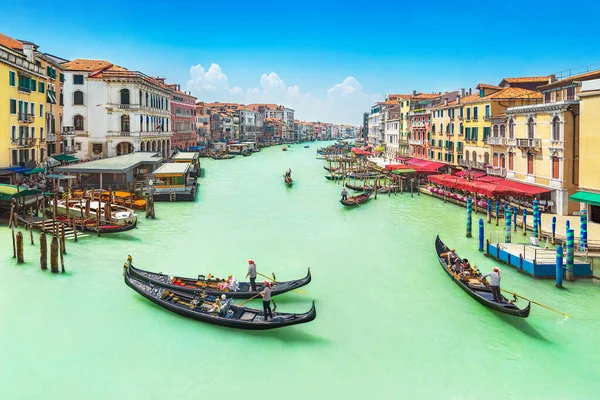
x: 342, y: 103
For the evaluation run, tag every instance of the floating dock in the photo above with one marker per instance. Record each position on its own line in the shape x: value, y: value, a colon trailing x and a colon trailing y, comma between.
x: 534, y: 261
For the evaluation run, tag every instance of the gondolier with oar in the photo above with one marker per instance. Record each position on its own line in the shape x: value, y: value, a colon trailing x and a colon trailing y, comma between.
x: 252, y: 275
x: 266, y: 295
x: 344, y: 194
x: 494, y: 283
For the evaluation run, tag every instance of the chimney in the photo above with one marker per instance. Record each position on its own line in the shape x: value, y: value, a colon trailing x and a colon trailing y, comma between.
x: 439, y: 93
x: 414, y: 92
x: 28, y: 49
x: 458, y: 99
x: 462, y: 92
x: 446, y: 101
x: 469, y: 91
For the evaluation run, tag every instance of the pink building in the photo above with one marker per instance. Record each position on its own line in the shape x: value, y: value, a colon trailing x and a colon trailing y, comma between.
x: 183, y: 119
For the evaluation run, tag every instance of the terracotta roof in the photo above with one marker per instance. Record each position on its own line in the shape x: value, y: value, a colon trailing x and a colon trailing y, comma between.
x: 533, y: 79
x: 86, y: 65
x: 515, y: 93
x: 11, y: 43
x: 442, y: 105
x: 487, y: 86
x: 398, y: 96
x: 267, y: 106
x: 420, y: 96
x: 388, y: 103
x: 567, y: 81
x: 471, y: 98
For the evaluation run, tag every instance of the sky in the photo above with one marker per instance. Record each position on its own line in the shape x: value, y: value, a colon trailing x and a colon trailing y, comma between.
x: 328, y: 60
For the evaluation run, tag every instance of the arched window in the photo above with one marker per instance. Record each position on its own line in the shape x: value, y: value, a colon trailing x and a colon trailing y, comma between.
x: 511, y: 161
x: 467, y: 156
x: 140, y: 97
x: 495, y: 160
x: 502, y: 130
x: 502, y: 160
x: 453, y: 128
x: 124, y: 96
x: 486, y: 158
x: 495, y: 133
x: 474, y: 156
x: 125, y: 123
x: 530, y: 128
x: 511, y: 129
x: 433, y: 128
x: 556, y: 129
x: 555, y: 167
x: 447, y: 128
x: 460, y: 128
x: 78, y: 98
x: 78, y: 122
x: 441, y: 128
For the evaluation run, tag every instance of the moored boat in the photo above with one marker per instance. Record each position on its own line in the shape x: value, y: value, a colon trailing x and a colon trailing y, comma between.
x: 334, y: 177
x: 207, y: 308
x: 478, y: 290
x: 216, y: 287
x: 358, y: 188
x: 288, y: 180
x: 105, y: 228
x: 119, y: 215
x: 356, y: 200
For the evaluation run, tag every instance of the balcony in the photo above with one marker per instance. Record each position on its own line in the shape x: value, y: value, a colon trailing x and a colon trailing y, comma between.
x: 496, y: 171
x: 69, y: 150
x: 128, y: 106
x: 487, y: 117
x: 26, y: 118
x: 497, y: 141
x: 529, y: 143
x: 472, y: 164
x: 416, y: 142
x: 50, y: 138
x: 23, y: 141
x: 68, y: 131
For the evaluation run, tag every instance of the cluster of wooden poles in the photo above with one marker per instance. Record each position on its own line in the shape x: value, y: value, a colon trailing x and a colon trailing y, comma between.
x: 57, y: 245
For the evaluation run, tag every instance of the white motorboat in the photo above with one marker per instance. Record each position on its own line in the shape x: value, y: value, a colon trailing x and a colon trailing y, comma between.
x: 119, y: 215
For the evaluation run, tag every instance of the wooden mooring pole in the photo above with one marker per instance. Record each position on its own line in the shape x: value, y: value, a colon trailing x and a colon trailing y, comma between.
x: 54, y: 255
x: 20, y: 259
x: 43, y: 251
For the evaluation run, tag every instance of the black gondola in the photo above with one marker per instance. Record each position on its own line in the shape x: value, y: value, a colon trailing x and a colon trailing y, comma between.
x: 357, y: 188
x: 198, y: 306
x: 330, y: 169
x: 104, y: 229
x: 356, y: 200
x: 334, y: 177
x: 192, y: 285
x: 478, y: 291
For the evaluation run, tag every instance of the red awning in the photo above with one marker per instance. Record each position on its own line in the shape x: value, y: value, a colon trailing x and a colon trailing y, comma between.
x: 524, y: 188
x: 490, y: 179
x: 392, y: 167
x: 472, y: 174
x: 398, y: 158
x: 360, y: 152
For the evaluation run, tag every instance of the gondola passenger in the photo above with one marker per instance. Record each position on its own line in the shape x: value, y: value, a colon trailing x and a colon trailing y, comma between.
x: 450, y: 256
x: 344, y: 194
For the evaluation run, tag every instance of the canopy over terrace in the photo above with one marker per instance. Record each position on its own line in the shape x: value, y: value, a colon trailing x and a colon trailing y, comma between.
x: 488, y: 187
x: 115, y: 171
x: 361, y: 152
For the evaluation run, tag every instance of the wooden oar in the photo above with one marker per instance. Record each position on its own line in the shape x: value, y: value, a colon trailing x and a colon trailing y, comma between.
x: 535, y: 302
x: 251, y: 298
x: 274, y: 280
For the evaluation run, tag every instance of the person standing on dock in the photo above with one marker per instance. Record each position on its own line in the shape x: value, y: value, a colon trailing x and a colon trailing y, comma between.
x: 344, y: 194
x: 266, y: 295
x: 494, y: 283
x: 252, y: 275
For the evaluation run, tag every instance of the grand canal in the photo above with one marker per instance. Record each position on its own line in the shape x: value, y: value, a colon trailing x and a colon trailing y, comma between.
x: 389, y: 323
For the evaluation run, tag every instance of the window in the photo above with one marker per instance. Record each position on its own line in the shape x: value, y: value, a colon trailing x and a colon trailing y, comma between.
x: 13, y: 106
x: 33, y: 132
x: 502, y: 130
x: 42, y: 133
x: 495, y: 160
x: 41, y: 110
x: 124, y: 96
x: 481, y: 93
x: 474, y: 134
x: 78, y: 122
x: 529, y: 164
x: 571, y: 93
x: 487, y: 111
x: 125, y: 123
x: 452, y: 129
x: 13, y: 136
x: 555, y: 167
x: 468, y: 134
x: 78, y: 98
x: 486, y: 158
x: 468, y: 113
x: 511, y: 129
x: 62, y: 78
x: 475, y: 112
x: 77, y: 79
x: 547, y: 97
x: 530, y: 128
x: 41, y: 87
x: 32, y: 109
x: 11, y: 78
x: 460, y: 129
x: 467, y: 156
x: 556, y: 129
x: 486, y: 132
x: 474, y: 156
x: 32, y: 84
x: 495, y: 130
x: 460, y: 114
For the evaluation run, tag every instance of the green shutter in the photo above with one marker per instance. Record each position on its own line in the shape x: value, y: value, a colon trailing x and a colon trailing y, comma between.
x: 62, y: 77
x: 41, y: 87
x: 13, y: 106
x: 11, y: 78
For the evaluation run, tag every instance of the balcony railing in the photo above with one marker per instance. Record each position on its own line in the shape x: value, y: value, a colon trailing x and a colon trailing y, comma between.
x: 27, y: 118
x: 486, y: 117
x: 416, y: 142
x: 497, y: 171
x: 23, y: 141
x: 529, y: 143
x: 472, y: 164
x: 68, y: 130
x: 497, y: 141
x: 51, y: 137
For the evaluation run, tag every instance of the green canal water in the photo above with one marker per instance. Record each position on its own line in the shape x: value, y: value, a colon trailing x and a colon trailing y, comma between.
x: 389, y: 323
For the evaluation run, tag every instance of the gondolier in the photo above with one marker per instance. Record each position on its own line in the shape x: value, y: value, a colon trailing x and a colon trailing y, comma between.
x: 266, y: 295
x: 344, y: 194
x: 494, y: 283
x: 252, y: 275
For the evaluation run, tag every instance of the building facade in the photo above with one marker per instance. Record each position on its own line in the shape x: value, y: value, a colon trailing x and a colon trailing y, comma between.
x: 183, y: 117
x: 114, y: 111
x: 23, y: 89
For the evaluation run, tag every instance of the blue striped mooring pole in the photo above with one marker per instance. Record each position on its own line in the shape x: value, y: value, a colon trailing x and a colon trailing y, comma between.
x: 507, y: 219
x: 570, y: 253
x: 559, y: 266
x: 535, y: 218
x: 497, y: 211
x: 481, y: 234
x: 469, y: 218
x: 515, y: 212
x: 524, y: 222
x: 489, y: 211
x: 553, y: 230
x: 583, y: 231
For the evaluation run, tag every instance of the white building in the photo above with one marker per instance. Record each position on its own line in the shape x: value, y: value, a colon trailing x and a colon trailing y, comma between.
x: 374, y: 121
x: 251, y: 124
x: 114, y: 111
x: 278, y: 112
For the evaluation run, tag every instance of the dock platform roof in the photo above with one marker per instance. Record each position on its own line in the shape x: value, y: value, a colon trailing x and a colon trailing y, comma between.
x: 172, y: 169
x: 119, y: 164
x: 186, y: 155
